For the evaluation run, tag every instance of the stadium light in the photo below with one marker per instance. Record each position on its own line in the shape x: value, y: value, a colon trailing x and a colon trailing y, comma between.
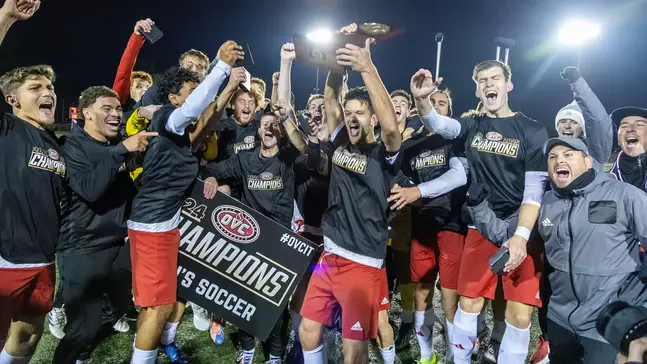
x: 320, y: 36
x: 577, y: 32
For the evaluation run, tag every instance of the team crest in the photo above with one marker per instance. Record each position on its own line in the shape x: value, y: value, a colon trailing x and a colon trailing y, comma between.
x: 493, y: 135
x: 248, y: 139
x: 266, y: 176
x: 53, y: 154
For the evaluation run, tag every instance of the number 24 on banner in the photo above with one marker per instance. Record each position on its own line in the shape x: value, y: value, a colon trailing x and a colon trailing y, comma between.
x: 196, y: 211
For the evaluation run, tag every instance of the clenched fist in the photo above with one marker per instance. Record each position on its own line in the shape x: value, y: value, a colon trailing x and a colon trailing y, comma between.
x: 139, y: 141
x: 230, y: 52
x: 288, y: 53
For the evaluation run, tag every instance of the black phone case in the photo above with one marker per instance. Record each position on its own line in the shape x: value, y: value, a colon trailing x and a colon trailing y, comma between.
x: 154, y: 35
x: 498, y: 261
x: 249, y: 60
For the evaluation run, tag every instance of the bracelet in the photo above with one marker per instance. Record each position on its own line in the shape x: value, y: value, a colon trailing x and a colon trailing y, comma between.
x: 523, y: 232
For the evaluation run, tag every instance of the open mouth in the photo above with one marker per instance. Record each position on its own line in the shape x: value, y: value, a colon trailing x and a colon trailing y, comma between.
x: 398, y: 113
x: 246, y: 114
x: 46, y: 108
x: 113, y: 124
x: 562, y: 174
x: 631, y: 140
x: 353, y: 130
x: 491, y: 95
x: 568, y: 133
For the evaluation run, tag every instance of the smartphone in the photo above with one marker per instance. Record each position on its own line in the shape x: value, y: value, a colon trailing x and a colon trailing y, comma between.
x: 154, y: 35
x: 249, y: 60
x: 247, y: 85
x: 498, y: 261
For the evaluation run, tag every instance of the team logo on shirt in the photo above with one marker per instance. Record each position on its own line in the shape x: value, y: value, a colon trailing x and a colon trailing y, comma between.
x: 48, y: 160
x: 266, y: 181
x: 353, y: 162
x: 248, y: 143
x: 235, y: 224
x: 495, y: 143
x: 428, y: 158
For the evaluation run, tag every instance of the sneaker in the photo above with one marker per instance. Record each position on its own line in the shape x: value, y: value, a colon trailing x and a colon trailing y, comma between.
x: 131, y: 314
x: 433, y: 360
x: 216, y: 331
x: 244, y: 357
x: 405, y: 333
x: 175, y: 354
x: 273, y: 361
x: 541, y: 354
x: 491, y: 353
x: 121, y: 325
x: 201, y: 318
x: 57, y: 321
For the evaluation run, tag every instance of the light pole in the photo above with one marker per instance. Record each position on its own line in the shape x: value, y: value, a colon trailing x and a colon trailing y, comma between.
x: 320, y: 36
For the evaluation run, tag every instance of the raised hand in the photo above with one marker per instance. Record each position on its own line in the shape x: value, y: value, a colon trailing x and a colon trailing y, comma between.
x: 570, y: 74
x: 144, y: 26
x: 359, y: 59
x: 139, y: 141
x: 275, y: 78
x: 230, y: 52
x: 423, y: 85
x: 20, y: 9
x: 238, y: 76
x: 288, y: 53
x: 349, y: 29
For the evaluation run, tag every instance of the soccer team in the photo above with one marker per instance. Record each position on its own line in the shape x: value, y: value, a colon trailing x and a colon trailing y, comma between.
x: 388, y: 185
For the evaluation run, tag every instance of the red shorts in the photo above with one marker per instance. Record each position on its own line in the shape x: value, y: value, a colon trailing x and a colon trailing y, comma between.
x: 450, y: 248
x: 25, y: 292
x: 477, y: 280
x: 385, y: 303
x: 357, y: 288
x: 424, y: 268
x: 154, y: 264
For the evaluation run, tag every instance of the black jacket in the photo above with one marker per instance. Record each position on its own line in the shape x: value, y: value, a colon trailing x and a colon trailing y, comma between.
x: 98, y: 195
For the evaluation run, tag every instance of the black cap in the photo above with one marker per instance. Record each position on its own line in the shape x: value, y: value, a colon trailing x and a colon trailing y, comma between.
x: 573, y: 143
x: 618, y: 114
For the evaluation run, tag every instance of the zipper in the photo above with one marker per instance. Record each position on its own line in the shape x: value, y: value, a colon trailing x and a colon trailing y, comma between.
x: 570, y: 264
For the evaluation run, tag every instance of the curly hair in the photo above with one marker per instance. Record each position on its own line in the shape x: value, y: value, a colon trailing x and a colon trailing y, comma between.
x: 173, y: 80
x: 12, y: 80
x: 90, y: 95
x: 141, y: 75
x: 260, y: 82
x: 360, y: 94
x: 258, y: 98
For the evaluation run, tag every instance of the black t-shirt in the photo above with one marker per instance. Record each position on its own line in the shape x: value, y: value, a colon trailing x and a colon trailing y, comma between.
x: 234, y: 138
x: 32, y: 172
x: 268, y: 182
x: 500, y: 151
x: 360, y: 183
x: 312, y: 193
x: 170, y: 168
x: 98, y: 196
x: 425, y: 159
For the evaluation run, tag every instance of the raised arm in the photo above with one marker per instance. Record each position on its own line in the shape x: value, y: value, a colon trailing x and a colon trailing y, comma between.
x: 15, y: 10
x: 205, y: 93
x: 275, y: 88
x: 360, y: 60
x: 332, y: 101
x: 422, y: 86
x: 121, y: 85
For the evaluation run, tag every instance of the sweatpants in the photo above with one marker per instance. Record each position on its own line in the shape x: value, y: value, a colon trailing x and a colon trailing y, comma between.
x: 546, y: 292
x: 567, y: 347
x: 86, y: 278
x: 275, y: 343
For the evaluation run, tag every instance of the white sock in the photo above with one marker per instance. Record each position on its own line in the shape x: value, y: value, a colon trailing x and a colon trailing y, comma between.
x: 514, y: 346
x: 316, y: 356
x: 498, y: 330
x: 449, y: 329
x: 248, y: 356
x: 80, y: 361
x: 423, y: 333
x: 388, y: 354
x: 482, y: 325
x: 275, y: 359
x: 407, y: 317
x: 168, y: 335
x: 5, y: 358
x: 464, y: 336
x: 144, y: 356
x: 296, y: 321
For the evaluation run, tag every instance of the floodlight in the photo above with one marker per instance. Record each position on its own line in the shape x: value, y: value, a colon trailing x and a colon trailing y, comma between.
x: 320, y: 36
x: 577, y: 32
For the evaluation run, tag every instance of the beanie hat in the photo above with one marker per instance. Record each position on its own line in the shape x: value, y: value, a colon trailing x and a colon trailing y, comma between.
x: 571, y: 111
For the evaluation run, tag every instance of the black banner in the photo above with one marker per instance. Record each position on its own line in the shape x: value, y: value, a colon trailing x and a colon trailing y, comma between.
x: 238, y: 263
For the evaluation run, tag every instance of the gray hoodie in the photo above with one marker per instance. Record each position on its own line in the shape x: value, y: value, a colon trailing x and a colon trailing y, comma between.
x: 591, y: 237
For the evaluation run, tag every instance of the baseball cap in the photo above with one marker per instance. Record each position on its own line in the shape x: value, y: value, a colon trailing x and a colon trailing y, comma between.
x: 573, y: 143
x: 618, y: 114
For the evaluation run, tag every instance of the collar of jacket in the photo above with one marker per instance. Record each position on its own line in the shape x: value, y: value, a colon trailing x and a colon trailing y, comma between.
x: 581, y: 185
x: 85, y: 135
x: 625, y: 166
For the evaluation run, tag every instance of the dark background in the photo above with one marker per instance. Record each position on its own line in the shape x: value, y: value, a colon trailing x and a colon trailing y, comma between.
x: 84, y: 40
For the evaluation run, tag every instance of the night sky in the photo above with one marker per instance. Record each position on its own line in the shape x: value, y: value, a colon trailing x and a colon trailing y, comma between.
x: 84, y: 40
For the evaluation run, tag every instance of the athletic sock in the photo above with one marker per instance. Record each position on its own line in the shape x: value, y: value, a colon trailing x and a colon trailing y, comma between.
x: 296, y: 321
x: 275, y: 359
x: 498, y: 330
x: 423, y: 332
x: 316, y: 356
x: 464, y: 336
x: 144, y: 356
x: 168, y: 335
x: 449, y: 330
x: 6, y: 358
x: 407, y: 317
x: 388, y: 354
x: 514, y: 345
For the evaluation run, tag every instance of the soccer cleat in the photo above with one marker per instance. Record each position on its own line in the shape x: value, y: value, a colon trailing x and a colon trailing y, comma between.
x: 431, y: 360
x: 491, y: 353
x: 131, y: 314
x: 57, y: 321
x: 201, y: 318
x: 216, y: 331
x: 174, y: 353
x: 541, y: 354
x: 244, y: 357
x: 405, y: 333
x: 121, y: 325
